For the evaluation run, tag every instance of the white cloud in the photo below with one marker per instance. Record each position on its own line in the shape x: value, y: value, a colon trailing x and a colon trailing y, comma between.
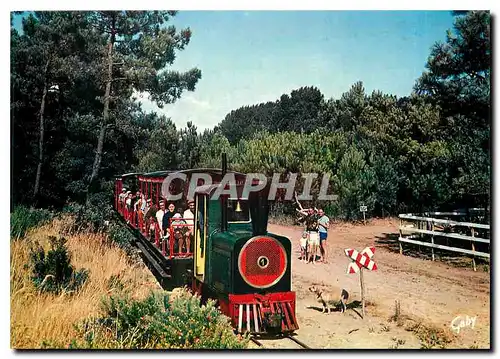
x: 200, y: 103
x: 187, y: 108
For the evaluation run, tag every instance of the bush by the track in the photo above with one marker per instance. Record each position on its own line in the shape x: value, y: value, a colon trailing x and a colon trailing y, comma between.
x: 161, y: 320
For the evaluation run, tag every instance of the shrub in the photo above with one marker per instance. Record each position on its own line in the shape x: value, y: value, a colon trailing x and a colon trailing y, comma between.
x: 23, y: 219
x: 120, y: 235
x: 52, y: 271
x: 159, y: 321
x: 97, y: 215
x: 92, y: 215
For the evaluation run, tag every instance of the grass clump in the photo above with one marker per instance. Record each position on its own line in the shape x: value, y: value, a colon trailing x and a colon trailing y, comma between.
x: 430, y: 336
x: 22, y: 219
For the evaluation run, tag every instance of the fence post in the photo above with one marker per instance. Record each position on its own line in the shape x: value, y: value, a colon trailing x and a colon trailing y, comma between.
x: 473, y: 249
x: 400, y: 236
x: 432, y: 239
x: 419, y: 226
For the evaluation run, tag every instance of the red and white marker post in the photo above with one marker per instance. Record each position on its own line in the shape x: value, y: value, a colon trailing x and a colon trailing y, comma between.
x: 361, y: 261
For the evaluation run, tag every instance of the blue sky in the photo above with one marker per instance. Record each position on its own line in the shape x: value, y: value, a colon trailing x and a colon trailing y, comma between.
x: 248, y: 57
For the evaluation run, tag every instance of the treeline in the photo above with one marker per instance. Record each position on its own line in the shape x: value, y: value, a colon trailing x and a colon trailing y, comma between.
x: 75, y: 79
x: 427, y: 151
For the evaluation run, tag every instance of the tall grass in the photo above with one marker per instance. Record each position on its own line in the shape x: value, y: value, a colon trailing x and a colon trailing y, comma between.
x: 41, y: 318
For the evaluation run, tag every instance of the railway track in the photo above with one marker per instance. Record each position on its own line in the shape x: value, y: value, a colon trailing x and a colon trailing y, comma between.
x: 258, y: 342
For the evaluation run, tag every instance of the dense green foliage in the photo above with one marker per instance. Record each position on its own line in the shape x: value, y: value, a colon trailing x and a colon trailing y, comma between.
x: 23, y: 219
x: 428, y: 150
x: 158, y: 321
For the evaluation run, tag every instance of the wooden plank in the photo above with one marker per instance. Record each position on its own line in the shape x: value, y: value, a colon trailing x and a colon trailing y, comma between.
x: 456, y: 213
x: 452, y: 249
x: 442, y: 234
x: 432, y: 240
x: 473, y: 249
x: 445, y: 221
x: 400, y: 235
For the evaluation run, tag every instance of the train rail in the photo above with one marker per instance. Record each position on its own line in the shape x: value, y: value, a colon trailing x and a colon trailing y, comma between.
x: 258, y: 342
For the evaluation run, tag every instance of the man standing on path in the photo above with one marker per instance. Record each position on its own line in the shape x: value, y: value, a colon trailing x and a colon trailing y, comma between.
x: 324, y: 224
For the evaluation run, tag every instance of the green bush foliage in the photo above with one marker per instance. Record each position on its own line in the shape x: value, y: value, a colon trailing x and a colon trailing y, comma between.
x: 97, y: 215
x: 23, y: 219
x: 52, y: 271
x: 176, y: 321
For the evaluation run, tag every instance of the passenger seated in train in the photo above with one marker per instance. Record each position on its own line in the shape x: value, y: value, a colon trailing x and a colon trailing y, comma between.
x: 179, y: 228
x: 140, y: 206
x: 159, y: 218
x: 167, y: 219
x: 150, y: 218
x: 121, y: 198
x: 129, y: 207
x: 189, y: 218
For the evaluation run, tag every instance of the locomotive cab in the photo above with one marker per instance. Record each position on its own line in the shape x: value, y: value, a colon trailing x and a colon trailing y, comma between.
x: 238, y: 261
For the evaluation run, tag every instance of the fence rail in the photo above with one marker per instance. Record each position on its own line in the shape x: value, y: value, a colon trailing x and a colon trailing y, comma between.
x: 423, y: 228
x: 444, y: 221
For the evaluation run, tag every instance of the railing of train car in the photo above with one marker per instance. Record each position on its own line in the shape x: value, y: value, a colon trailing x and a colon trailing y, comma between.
x: 167, y: 244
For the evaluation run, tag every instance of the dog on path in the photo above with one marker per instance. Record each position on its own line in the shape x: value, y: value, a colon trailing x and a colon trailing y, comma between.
x: 330, y: 297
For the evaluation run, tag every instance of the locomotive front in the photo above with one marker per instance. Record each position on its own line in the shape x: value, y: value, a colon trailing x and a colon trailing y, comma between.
x: 262, y: 285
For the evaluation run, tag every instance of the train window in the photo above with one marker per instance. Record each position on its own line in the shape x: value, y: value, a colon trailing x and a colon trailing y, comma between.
x: 238, y: 211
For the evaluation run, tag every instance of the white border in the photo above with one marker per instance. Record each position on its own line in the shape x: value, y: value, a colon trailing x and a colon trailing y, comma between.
x: 191, y: 5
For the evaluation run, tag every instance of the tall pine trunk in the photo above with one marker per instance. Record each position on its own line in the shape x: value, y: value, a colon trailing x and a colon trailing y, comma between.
x: 105, y: 113
x: 41, y: 139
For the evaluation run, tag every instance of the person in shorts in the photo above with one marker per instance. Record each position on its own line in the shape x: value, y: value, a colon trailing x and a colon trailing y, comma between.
x: 323, y: 225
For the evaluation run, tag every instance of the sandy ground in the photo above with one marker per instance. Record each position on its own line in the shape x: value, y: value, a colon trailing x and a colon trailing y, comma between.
x: 433, y: 293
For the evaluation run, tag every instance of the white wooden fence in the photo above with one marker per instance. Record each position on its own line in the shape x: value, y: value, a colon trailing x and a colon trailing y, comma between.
x: 414, y: 229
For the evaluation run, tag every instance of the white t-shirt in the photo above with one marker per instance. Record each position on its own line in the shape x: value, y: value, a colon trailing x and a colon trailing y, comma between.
x: 188, y: 216
x: 159, y: 217
x: 325, y: 221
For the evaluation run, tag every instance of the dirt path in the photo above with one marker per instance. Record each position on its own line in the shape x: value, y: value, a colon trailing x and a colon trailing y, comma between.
x: 433, y: 293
